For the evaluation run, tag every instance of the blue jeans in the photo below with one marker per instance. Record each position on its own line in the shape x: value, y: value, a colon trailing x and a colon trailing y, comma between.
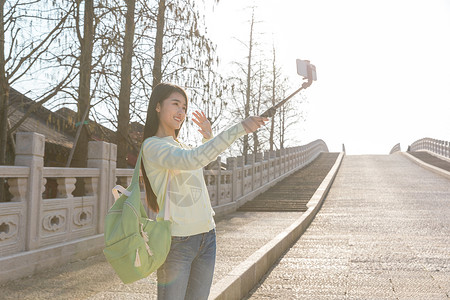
x: 189, y: 268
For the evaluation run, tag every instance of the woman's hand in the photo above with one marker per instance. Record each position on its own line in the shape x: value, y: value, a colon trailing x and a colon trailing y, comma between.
x: 252, y: 123
x: 203, y: 123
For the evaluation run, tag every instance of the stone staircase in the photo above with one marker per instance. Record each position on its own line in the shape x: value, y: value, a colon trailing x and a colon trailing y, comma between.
x: 294, y: 192
x: 431, y: 159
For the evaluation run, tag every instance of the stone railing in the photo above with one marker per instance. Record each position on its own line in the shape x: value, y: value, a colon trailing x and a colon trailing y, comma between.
x: 396, y: 148
x: 46, y: 223
x: 228, y: 189
x: 438, y: 147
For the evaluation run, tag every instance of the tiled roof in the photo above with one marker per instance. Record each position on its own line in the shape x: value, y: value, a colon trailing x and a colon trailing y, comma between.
x: 31, y: 124
x: 37, y: 121
x: 58, y: 127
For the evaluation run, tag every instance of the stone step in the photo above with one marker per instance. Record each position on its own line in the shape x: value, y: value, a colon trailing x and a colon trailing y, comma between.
x: 431, y: 159
x: 294, y: 192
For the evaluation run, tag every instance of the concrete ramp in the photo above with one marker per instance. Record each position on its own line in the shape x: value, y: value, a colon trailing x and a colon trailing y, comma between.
x: 383, y: 232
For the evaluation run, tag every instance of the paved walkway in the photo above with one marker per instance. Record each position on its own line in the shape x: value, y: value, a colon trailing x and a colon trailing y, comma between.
x: 93, y: 278
x: 382, y: 233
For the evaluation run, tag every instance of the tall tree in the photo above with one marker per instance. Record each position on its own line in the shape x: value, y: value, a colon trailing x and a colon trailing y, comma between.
x: 279, y: 85
x: 28, y: 30
x: 84, y: 89
x: 158, y: 56
x: 125, y: 87
x: 4, y: 91
x: 275, y: 76
x: 246, y: 82
x: 249, y: 86
x: 289, y: 114
x: 259, y: 97
x: 4, y: 97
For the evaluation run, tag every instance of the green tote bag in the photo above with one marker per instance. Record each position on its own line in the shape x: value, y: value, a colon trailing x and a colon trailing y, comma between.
x: 135, y: 245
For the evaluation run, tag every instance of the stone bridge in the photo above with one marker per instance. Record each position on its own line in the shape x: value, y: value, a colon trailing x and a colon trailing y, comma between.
x: 298, y: 223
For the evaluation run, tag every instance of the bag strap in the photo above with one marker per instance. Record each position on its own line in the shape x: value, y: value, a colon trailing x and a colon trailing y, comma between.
x: 121, y: 189
x: 134, y: 180
x: 137, y: 168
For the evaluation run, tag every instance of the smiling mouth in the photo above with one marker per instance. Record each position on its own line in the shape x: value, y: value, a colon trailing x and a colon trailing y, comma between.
x: 177, y: 119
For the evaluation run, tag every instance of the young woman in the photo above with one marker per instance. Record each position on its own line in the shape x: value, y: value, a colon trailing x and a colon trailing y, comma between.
x: 188, y: 270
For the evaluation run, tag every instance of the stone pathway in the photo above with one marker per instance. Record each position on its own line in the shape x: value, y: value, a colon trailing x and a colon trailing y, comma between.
x: 93, y: 278
x: 382, y: 233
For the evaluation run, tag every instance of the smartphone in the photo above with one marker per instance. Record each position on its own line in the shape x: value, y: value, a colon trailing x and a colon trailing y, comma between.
x: 305, y: 68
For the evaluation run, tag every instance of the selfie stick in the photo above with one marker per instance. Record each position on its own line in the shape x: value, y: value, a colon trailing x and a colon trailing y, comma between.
x: 305, y: 69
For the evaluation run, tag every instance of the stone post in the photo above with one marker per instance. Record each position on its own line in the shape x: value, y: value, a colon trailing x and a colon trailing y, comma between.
x: 267, y: 158
x: 283, y: 156
x: 30, y: 152
x: 272, y: 157
x: 112, y: 172
x: 304, y: 154
x: 251, y: 162
x: 231, y: 165
x: 278, y: 160
x: 102, y: 155
x: 447, y: 149
x: 241, y: 164
x: 258, y: 159
x: 218, y: 180
x: 286, y: 153
x: 291, y: 158
x: 272, y: 154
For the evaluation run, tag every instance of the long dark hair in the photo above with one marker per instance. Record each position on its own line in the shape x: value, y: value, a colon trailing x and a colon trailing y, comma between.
x: 160, y: 92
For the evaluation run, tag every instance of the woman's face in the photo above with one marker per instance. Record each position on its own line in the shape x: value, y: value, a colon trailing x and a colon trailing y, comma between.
x: 172, y: 112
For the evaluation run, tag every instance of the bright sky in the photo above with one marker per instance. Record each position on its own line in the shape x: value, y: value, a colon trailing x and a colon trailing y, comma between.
x: 383, y: 66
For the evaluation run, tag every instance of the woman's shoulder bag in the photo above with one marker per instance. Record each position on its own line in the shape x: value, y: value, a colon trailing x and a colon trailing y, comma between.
x: 136, y: 246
